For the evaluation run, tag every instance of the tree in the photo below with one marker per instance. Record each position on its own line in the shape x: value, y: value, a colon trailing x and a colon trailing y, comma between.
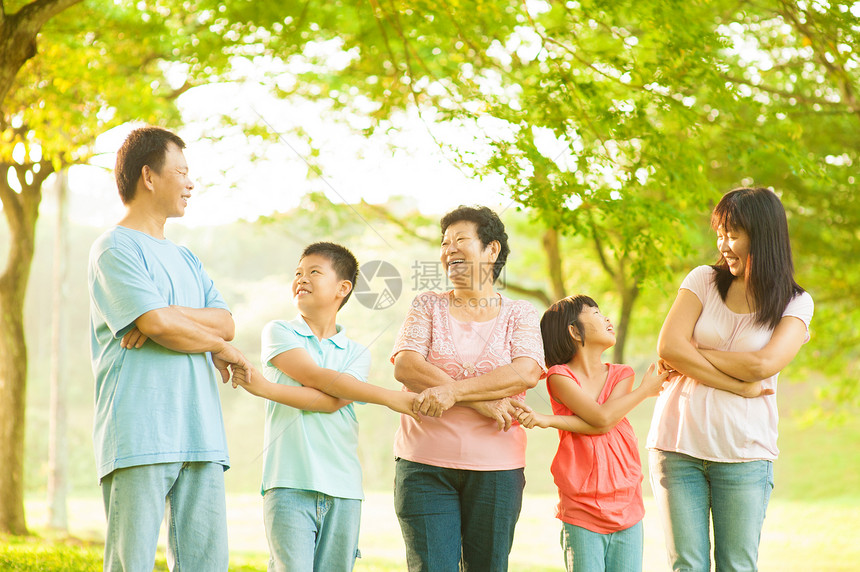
x: 623, y: 122
x: 95, y: 68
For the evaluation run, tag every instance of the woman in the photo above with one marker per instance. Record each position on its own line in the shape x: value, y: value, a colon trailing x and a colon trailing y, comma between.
x: 459, y: 473
x: 731, y: 329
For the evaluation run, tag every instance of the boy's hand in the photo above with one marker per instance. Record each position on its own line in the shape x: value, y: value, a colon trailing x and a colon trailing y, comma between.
x: 404, y: 402
x: 653, y: 382
x: 230, y: 356
x: 250, y: 380
x: 241, y: 376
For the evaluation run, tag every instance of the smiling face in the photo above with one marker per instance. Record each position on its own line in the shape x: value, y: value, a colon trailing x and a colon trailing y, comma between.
x: 170, y: 187
x: 467, y: 262
x: 734, y: 246
x: 596, y: 328
x: 316, y: 285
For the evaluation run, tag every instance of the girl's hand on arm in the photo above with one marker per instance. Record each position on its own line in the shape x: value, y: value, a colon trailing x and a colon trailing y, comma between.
x: 653, y: 381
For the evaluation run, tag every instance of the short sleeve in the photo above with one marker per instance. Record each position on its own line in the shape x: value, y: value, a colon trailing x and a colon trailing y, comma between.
x: 526, y: 340
x: 122, y: 289
x: 212, y: 296
x: 278, y: 337
x: 416, y: 332
x: 801, y: 307
x: 558, y: 369
x: 698, y: 281
x: 621, y: 372
x: 359, y: 364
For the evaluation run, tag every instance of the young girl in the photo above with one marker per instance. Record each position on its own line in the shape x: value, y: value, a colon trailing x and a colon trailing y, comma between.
x: 597, y: 467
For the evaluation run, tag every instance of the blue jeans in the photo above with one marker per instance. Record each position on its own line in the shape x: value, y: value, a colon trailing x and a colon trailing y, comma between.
x: 588, y: 551
x: 135, y: 500
x: 308, y: 531
x: 456, y: 519
x: 735, y: 495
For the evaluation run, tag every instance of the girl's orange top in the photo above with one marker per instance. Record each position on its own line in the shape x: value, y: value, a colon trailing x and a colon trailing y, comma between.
x: 599, y: 477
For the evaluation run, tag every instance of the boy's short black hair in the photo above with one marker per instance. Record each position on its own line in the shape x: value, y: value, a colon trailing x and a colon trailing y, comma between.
x: 143, y: 146
x: 490, y: 227
x: 342, y: 260
x: 558, y: 345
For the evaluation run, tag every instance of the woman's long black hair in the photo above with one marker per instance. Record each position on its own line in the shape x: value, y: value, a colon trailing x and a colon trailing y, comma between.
x: 769, y: 270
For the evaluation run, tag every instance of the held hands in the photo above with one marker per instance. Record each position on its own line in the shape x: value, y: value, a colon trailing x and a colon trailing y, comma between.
x: 249, y: 380
x: 435, y: 401
x: 531, y: 419
x: 504, y: 411
x: 664, y: 366
x: 229, y: 359
x: 405, y: 402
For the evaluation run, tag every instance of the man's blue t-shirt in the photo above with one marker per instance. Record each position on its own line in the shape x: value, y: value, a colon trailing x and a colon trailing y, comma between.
x: 153, y: 405
x: 305, y: 449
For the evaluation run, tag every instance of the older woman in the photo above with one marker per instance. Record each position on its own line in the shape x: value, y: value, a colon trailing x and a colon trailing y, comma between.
x: 471, y: 353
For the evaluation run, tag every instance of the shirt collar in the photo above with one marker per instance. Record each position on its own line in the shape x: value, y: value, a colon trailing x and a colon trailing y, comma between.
x: 301, y: 327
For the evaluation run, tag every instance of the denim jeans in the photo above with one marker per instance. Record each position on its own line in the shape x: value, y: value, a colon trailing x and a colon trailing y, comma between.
x: 135, y: 500
x: 690, y: 491
x: 588, y: 551
x: 456, y: 519
x: 309, y: 531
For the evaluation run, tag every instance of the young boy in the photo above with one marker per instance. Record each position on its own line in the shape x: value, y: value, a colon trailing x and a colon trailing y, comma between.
x: 311, y: 473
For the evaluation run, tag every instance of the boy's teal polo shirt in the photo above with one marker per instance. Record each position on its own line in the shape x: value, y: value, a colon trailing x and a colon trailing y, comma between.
x: 305, y: 449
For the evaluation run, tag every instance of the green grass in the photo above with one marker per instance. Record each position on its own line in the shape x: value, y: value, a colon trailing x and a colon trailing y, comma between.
x: 798, y: 536
x: 32, y: 553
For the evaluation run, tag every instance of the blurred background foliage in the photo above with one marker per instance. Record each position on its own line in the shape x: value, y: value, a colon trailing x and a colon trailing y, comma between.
x: 610, y: 127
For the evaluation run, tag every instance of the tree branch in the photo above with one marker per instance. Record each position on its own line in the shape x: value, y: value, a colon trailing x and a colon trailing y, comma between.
x: 786, y: 94
x: 537, y: 293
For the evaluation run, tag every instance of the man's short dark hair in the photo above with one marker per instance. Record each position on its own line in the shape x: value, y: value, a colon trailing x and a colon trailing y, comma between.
x: 342, y: 260
x: 143, y: 146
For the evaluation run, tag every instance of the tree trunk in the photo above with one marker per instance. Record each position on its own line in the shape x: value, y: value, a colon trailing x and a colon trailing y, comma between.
x: 629, y: 293
x: 553, y: 255
x: 57, y: 457
x: 21, y: 210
